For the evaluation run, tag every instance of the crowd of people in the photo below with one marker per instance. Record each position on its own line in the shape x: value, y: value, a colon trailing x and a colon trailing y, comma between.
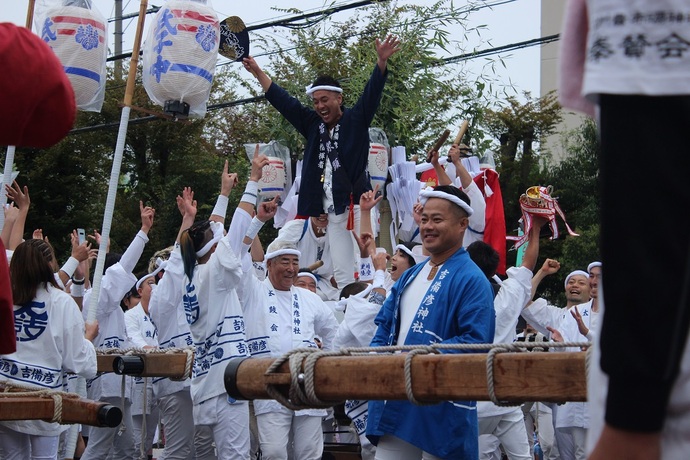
x: 215, y: 289
x: 322, y: 283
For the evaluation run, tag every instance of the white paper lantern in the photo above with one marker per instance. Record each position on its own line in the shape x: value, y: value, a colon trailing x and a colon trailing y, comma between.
x: 78, y: 37
x: 180, y: 54
x: 378, y: 165
x: 272, y: 181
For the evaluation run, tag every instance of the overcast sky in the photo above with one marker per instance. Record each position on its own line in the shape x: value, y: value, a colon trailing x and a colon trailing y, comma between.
x: 509, y: 22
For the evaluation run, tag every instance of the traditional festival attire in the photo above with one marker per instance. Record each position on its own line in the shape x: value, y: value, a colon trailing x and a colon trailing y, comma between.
x: 571, y: 418
x: 107, y: 387
x: 174, y: 397
x: 506, y: 423
x: 456, y: 306
x: 278, y: 321
x: 340, y: 159
x: 217, y: 326
x: 357, y: 329
x: 50, y: 339
x: 141, y: 332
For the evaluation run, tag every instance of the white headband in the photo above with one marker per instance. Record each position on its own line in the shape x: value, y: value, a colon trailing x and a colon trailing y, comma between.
x: 152, y: 274
x: 592, y: 265
x: 416, y: 257
x: 217, y: 228
x: 429, y: 192
x: 312, y: 89
x: 573, y: 273
x: 310, y: 275
x: 282, y: 252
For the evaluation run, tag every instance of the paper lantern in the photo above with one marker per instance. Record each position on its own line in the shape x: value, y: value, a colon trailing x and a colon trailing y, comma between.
x: 272, y: 181
x: 378, y: 165
x: 180, y: 55
x: 78, y: 38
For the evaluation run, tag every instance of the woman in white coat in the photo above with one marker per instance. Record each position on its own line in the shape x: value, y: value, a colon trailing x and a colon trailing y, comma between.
x: 51, y: 339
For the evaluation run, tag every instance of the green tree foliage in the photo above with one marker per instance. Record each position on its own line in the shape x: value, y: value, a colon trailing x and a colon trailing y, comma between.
x: 68, y: 183
x: 518, y: 126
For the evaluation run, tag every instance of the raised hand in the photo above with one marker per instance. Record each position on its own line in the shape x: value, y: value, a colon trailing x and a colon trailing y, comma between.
x: 186, y: 203
x: 584, y: 330
x: 147, y: 214
x: 550, y: 266
x: 228, y: 181
x: 368, y: 199
x: 388, y: 47
x: 267, y: 209
x: 20, y: 195
x: 258, y: 162
x: 365, y: 242
x: 82, y: 251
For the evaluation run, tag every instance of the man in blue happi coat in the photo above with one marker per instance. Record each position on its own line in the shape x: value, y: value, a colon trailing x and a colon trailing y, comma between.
x: 446, y: 300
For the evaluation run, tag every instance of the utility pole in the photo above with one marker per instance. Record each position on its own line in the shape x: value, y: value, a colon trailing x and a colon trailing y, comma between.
x: 118, y: 38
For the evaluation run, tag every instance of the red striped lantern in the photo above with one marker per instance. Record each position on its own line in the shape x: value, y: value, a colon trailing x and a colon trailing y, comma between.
x: 78, y: 37
x: 180, y: 56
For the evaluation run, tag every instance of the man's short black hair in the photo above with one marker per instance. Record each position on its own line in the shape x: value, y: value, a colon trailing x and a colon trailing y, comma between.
x: 485, y: 256
x: 353, y: 288
x: 326, y: 80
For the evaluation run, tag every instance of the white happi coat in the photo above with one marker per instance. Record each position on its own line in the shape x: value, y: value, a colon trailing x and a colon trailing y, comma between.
x: 540, y: 314
x: 215, y: 320
x: 508, y: 304
x: 167, y: 313
x: 140, y: 332
x: 50, y: 341
x: 117, y: 280
x: 310, y: 318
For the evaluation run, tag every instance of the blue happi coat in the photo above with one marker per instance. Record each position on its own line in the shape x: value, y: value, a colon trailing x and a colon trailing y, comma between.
x: 457, y: 308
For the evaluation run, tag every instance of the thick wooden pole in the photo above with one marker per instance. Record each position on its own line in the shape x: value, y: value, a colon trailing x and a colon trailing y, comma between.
x: 518, y: 377
x: 74, y: 410
x: 155, y: 364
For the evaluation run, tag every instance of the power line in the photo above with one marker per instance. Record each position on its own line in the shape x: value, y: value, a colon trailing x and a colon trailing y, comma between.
x: 253, y: 100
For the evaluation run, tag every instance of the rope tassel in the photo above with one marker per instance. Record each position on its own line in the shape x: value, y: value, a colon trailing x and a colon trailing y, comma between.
x: 351, y: 214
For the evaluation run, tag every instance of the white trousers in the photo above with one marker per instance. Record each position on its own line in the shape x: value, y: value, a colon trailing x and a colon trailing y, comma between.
x: 230, y: 425
x: 343, y: 246
x: 392, y: 448
x: 274, y: 436
x: 538, y: 414
x: 20, y: 446
x: 577, y: 437
x: 175, y: 410
x: 509, y: 428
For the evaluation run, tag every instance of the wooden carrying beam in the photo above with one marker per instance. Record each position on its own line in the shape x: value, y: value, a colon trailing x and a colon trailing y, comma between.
x: 74, y: 410
x: 154, y: 364
x: 518, y: 377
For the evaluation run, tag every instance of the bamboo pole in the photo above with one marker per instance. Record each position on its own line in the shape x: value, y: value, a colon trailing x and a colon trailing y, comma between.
x: 117, y: 163
x: 518, y: 377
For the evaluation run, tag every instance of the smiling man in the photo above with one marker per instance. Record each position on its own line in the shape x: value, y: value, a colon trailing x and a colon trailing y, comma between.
x: 445, y: 300
x: 334, y: 171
